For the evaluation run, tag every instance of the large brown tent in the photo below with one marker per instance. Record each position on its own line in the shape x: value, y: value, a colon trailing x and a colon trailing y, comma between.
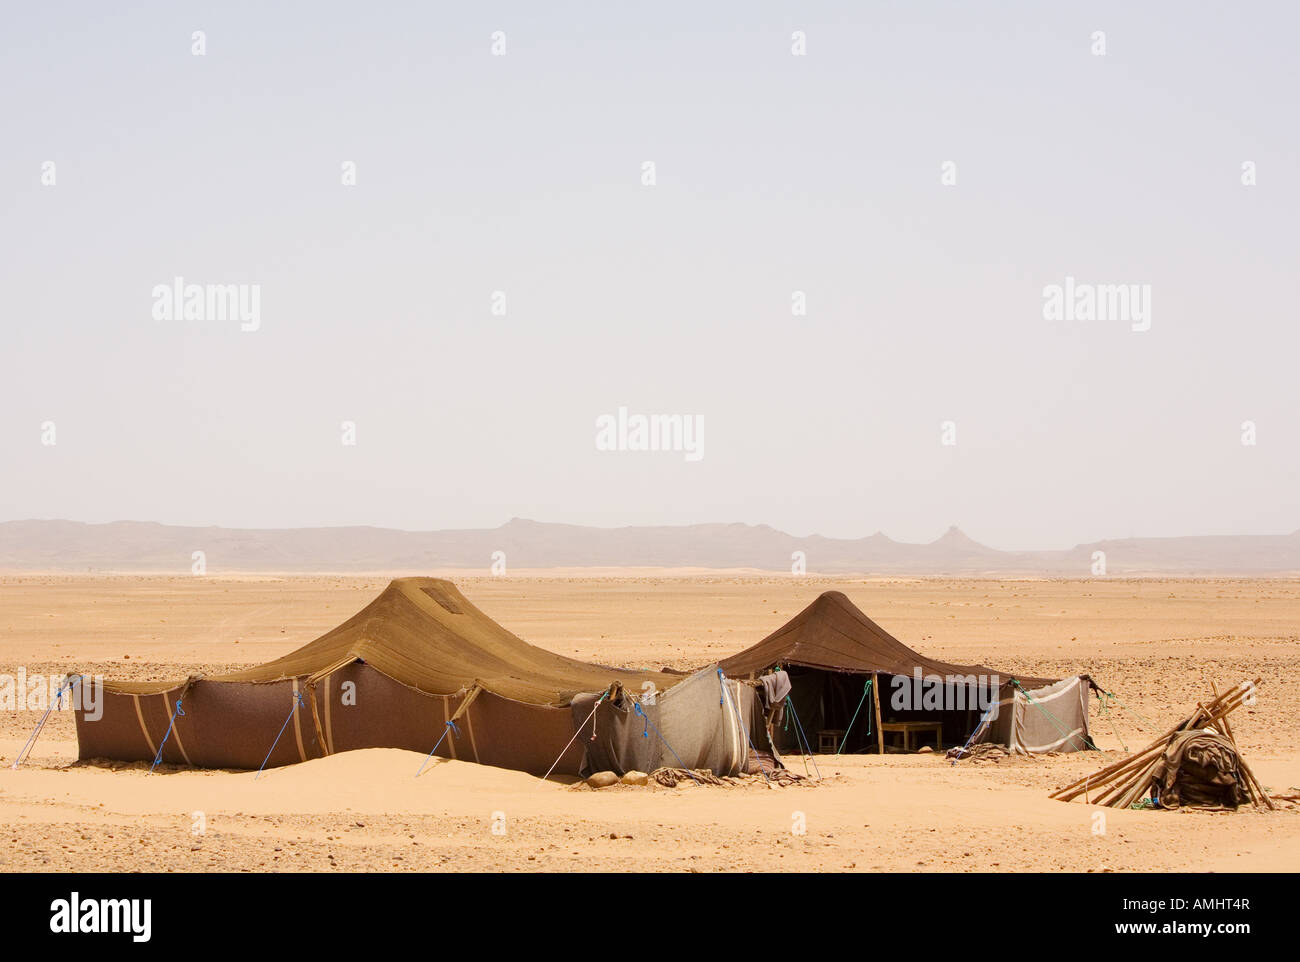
x: 394, y: 675
x: 830, y: 650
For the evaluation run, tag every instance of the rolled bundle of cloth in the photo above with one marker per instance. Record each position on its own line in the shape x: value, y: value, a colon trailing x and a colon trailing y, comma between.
x: 1199, y: 769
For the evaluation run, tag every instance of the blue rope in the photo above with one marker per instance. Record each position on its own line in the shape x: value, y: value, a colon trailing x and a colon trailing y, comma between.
x: 975, y: 729
x: 798, y: 742
x: 451, y: 727
x: 58, y: 700
x: 799, y: 733
x: 157, y: 758
x: 866, y: 690
x: 297, y: 702
x: 58, y: 696
x: 722, y: 680
x: 645, y: 734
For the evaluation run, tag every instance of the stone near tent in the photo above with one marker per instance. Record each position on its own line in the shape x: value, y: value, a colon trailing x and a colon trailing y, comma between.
x: 636, y: 778
x: 602, y: 780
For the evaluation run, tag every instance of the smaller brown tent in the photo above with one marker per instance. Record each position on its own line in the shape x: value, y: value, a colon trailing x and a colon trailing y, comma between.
x: 832, y: 652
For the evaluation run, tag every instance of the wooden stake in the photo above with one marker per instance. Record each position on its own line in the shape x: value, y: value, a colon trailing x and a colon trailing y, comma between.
x: 1138, y: 786
x: 1133, y: 789
x: 1212, y: 712
x: 1115, y: 767
x: 1246, y: 770
x: 1225, y: 730
x: 1106, y: 776
x: 875, y: 696
x: 1253, y: 787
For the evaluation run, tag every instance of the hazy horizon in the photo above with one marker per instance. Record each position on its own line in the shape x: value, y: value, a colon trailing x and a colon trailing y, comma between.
x: 522, y: 173
x: 962, y: 537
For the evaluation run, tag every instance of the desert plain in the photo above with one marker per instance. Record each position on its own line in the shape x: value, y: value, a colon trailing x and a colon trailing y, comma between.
x: 1158, y: 644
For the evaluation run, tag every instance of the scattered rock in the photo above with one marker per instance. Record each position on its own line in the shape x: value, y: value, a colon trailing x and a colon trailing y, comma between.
x: 602, y: 780
x: 636, y: 778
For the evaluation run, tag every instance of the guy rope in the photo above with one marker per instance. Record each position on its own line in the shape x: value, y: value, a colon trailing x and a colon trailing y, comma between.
x: 450, y: 724
x: 31, y: 739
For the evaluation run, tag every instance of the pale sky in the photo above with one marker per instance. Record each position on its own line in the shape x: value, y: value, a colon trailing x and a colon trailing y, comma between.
x: 775, y: 173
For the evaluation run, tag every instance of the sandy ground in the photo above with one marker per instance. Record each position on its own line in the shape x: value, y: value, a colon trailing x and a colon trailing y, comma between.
x: 1155, y: 643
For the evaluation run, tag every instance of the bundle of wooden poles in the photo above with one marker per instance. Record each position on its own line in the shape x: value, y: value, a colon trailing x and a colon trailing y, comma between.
x: 1125, y: 782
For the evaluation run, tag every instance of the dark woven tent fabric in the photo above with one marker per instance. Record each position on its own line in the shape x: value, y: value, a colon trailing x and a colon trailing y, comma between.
x: 832, y: 652
x: 425, y: 634
x: 398, y: 674
x: 832, y: 634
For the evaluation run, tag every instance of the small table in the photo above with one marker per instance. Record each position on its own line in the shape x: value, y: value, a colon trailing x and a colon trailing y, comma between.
x: 910, y: 728
x: 828, y: 740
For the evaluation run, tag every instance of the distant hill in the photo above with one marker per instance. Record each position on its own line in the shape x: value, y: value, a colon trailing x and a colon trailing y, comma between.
x: 145, y: 546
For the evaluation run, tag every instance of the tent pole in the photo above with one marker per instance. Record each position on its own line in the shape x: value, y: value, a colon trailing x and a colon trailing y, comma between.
x: 875, y: 694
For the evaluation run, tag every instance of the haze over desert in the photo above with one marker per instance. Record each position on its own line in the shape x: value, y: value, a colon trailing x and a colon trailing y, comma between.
x: 462, y: 465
